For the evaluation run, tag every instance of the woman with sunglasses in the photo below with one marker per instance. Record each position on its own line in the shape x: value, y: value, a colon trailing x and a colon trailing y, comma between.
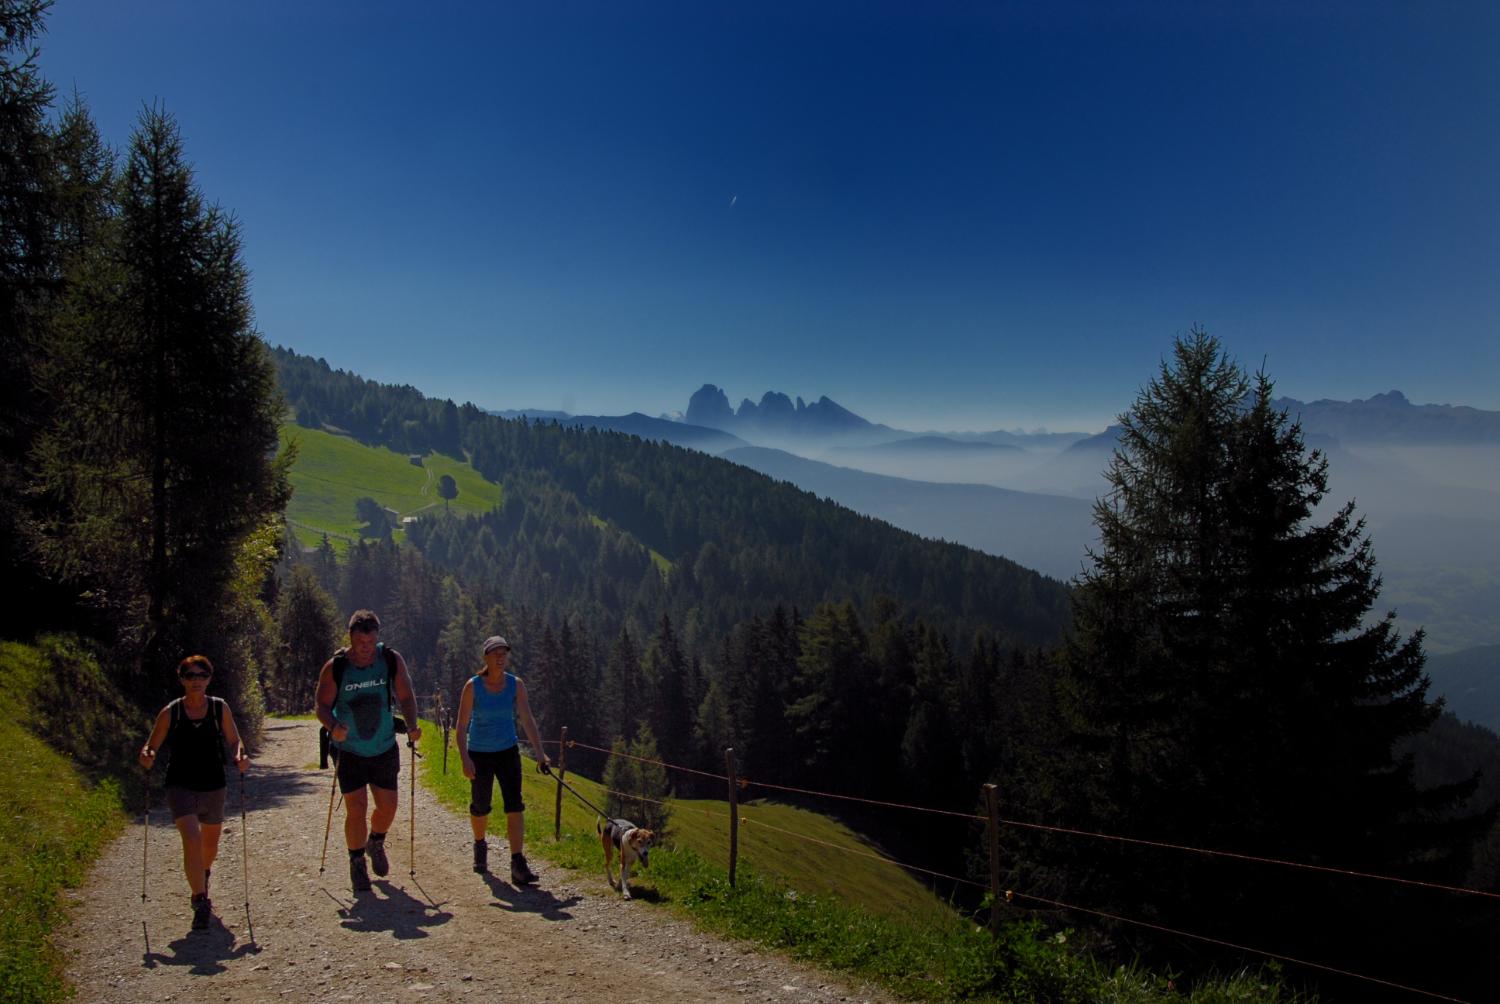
x: 196, y: 729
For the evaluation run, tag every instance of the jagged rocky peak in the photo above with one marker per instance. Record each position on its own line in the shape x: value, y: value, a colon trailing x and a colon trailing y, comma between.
x: 776, y: 412
x: 774, y: 405
x: 709, y: 406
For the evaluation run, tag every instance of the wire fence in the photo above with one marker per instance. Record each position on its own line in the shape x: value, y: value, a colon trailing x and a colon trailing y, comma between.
x: 994, y: 822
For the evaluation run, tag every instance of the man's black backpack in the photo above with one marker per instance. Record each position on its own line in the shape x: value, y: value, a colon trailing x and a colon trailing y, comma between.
x: 326, y: 750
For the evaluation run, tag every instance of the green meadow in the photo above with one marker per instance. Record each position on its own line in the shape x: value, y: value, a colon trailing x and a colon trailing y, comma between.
x: 815, y: 892
x: 332, y: 471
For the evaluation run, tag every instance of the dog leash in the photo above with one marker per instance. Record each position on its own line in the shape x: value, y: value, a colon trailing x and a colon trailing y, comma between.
x: 600, y: 812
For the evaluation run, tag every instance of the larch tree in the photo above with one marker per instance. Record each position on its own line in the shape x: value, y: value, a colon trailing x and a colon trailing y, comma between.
x: 161, y: 461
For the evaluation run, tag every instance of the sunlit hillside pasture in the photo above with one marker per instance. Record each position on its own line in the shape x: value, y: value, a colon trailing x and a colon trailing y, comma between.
x: 332, y: 471
x: 811, y: 854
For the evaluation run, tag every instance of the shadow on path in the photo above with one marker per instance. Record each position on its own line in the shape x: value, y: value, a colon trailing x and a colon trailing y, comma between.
x: 528, y: 899
x: 405, y: 916
x: 203, y: 952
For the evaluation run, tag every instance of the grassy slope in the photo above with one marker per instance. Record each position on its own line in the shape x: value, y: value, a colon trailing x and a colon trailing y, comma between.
x: 53, y: 825
x: 830, y: 905
x: 332, y: 471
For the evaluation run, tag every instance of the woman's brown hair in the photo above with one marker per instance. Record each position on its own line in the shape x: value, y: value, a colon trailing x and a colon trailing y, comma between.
x: 195, y: 661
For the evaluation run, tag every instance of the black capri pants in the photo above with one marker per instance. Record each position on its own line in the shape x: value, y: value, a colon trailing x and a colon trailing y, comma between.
x: 505, y: 767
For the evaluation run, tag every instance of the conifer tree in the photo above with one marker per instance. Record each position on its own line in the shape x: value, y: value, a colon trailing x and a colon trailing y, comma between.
x: 309, y: 626
x: 160, y: 460
x: 637, y: 783
x: 459, y: 649
x: 28, y: 275
x: 623, y: 689
x: 672, y: 705
x: 1227, y: 688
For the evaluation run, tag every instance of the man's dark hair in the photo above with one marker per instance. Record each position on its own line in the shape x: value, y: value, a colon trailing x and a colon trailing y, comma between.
x: 364, y: 620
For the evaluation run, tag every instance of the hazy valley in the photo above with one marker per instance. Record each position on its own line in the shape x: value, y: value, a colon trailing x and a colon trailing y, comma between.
x: 1426, y: 479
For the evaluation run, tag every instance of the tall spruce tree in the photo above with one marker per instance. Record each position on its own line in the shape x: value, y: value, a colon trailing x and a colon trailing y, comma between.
x: 160, y: 459
x: 1227, y: 686
x: 672, y: 702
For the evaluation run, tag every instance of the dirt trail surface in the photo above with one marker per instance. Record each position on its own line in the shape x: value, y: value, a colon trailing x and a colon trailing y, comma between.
x: 445, y: 935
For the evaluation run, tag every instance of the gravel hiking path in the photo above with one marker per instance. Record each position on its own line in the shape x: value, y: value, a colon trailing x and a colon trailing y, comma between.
x: 444, y: 935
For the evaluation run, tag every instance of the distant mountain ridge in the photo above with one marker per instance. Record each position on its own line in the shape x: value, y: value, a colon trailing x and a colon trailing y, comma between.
x: 1388, y: 418
x: 1391, y: 418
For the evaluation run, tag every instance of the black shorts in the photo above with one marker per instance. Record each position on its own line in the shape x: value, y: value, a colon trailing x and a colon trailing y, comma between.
x: 505, y: 767
x: 380, y: 771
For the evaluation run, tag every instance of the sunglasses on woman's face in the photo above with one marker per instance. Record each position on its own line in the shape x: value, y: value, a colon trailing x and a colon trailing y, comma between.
x: 195, y: 676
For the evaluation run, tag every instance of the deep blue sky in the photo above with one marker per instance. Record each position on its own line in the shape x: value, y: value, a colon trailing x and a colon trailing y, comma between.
x: 977, y: 216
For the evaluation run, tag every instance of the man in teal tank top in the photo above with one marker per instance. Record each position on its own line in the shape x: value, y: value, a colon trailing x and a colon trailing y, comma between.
x: 356, y: 711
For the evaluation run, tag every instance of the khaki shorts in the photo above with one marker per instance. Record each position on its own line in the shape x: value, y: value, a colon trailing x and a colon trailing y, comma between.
x: 208, y: 806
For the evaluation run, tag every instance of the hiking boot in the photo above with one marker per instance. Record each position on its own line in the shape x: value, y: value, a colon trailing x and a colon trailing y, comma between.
x: 203, y: 912
x: 359, y: 875
x: 378, y: 860
x: 520, y: 874
x: 481, y: 857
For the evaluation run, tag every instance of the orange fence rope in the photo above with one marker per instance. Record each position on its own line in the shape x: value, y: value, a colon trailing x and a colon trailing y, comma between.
x: 1252, y: 858
x: 1349, y: 872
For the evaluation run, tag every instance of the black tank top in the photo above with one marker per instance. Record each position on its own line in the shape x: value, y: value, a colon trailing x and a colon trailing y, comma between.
x: 197, y: 748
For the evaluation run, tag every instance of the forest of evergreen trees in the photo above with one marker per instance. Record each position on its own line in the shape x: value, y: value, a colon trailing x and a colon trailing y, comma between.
x: 1222, y: 677
x: 769, y: 620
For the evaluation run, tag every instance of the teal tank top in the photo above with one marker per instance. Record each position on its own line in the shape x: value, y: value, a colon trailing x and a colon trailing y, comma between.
x: 362, y: 705
x: 492, y: 718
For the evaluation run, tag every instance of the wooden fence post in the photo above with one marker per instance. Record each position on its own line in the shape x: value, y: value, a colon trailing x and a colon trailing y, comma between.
x: 992, y: 804
x: 562, y: 768
x: 734, y: 813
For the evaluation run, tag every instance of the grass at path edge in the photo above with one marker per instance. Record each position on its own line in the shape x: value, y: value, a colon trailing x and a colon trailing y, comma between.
x: 55, y: 824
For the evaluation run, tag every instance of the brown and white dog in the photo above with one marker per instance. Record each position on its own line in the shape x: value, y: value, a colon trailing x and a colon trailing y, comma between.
x: 634, y: 843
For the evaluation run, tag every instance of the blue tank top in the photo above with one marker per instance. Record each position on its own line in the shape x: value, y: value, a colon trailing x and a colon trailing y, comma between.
x: 492, y: 717
x: 362, y: 705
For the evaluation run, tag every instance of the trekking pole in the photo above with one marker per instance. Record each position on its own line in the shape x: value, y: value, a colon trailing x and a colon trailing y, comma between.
x: 413, y: 799
x: 145, y: 852
x: 245, y: 858
x: 329, y: 824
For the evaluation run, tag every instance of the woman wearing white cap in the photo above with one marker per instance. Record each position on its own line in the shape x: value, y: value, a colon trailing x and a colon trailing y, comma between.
x: 492, y: 704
